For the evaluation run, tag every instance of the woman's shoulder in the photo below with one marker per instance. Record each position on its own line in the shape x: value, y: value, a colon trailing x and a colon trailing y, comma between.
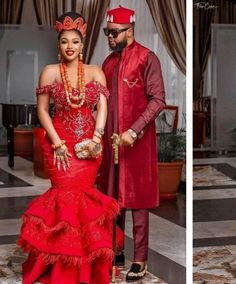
x: 49, y: 74
x: 51, y: 68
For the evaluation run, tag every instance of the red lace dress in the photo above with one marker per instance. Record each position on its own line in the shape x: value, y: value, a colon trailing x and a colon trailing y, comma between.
x: 68, y: 230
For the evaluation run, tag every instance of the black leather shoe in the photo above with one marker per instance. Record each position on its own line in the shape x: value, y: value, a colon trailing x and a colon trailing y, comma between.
x: 120, y: 259
x: 136, y: 272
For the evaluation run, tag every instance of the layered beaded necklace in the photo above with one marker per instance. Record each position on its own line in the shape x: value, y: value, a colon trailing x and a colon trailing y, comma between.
x: 77, y: 100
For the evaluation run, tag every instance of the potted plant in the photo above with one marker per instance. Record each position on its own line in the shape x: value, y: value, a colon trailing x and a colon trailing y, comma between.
x: 23, y: 141
x: 171, y: 157
x: 23, y: 133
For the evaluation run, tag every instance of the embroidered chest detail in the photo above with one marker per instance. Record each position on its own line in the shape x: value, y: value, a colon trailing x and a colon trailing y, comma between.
x: 78, y: 121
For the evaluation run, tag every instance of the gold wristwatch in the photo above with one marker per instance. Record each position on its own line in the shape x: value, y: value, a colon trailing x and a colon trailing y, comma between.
x: 133, y: 134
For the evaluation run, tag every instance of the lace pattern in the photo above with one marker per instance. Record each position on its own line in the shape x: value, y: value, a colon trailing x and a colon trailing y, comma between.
x: 77, y: 121
x: 101, y: 89
x: 43, y: 90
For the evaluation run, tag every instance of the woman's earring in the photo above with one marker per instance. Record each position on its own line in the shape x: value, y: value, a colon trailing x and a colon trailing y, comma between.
x: 59, y: 57
x: 81, y: 56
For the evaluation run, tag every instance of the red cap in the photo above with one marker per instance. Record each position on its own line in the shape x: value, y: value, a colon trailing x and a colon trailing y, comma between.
x: 120, y: 15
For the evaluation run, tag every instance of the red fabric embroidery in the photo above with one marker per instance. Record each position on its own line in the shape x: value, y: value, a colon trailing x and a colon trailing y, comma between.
x: 79, y: 121
x: 70, y: 225
x: 43, y: 90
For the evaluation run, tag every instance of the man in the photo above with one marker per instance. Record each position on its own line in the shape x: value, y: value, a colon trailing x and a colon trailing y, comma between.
x: 136, y: 86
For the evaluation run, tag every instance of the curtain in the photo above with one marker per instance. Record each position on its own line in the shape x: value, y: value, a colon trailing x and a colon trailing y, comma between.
x: 47, y: 11
x: 201, y: 45
x: 170, y: 19
x: 92, y: 10
x: 11, y: 11
x: 225, y: 13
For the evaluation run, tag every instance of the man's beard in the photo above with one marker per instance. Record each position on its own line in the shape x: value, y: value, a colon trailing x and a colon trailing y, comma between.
x: 119, y: 46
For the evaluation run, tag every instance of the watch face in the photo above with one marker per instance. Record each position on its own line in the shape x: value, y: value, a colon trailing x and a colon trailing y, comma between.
x: 132, y: 134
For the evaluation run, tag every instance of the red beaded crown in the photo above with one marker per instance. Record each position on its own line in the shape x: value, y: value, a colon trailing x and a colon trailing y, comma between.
x: 70, y: 24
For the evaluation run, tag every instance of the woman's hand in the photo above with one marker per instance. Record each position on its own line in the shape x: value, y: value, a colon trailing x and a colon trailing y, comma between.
x: 60, y: 157
x: 94, y: 149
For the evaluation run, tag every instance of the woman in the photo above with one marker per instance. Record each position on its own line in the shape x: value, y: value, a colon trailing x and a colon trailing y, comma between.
x: 68, y: 230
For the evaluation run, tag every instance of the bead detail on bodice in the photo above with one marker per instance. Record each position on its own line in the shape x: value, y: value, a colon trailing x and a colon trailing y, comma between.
x: 80, y: 121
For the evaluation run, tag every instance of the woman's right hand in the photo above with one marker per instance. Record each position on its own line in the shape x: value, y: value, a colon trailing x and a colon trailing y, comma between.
x: 60, y: 157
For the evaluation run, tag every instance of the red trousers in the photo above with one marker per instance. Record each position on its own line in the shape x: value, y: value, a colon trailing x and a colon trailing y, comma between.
x: 140, y: 232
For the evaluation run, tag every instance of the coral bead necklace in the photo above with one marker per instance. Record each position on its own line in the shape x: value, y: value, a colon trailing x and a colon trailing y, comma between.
x: 78, y: 100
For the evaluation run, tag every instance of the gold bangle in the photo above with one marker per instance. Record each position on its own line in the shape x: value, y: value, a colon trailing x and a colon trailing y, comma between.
x: 100, y: 131
x: 56, y: 146
x: 98, y: 136
x: 95, y: 138
x: 95, y: 142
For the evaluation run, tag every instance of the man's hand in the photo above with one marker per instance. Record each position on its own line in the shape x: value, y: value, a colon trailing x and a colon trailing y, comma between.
x: 126, y: 139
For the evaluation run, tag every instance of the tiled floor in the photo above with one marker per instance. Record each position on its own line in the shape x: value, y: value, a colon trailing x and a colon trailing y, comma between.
x: 215, y: 265
x: 12, y: 258
x: 207, y: 175
x: 167, y: 228
x: 214, y: 220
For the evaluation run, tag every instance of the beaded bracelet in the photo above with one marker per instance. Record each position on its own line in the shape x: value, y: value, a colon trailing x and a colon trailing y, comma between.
x: 57, y: 146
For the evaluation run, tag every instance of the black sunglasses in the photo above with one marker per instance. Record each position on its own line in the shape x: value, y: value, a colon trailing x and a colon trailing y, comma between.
x: 114, y: 32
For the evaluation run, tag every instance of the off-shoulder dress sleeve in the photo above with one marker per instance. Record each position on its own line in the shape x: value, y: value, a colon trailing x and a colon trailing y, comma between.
x: 43, y: 90
x: 102, y: 89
